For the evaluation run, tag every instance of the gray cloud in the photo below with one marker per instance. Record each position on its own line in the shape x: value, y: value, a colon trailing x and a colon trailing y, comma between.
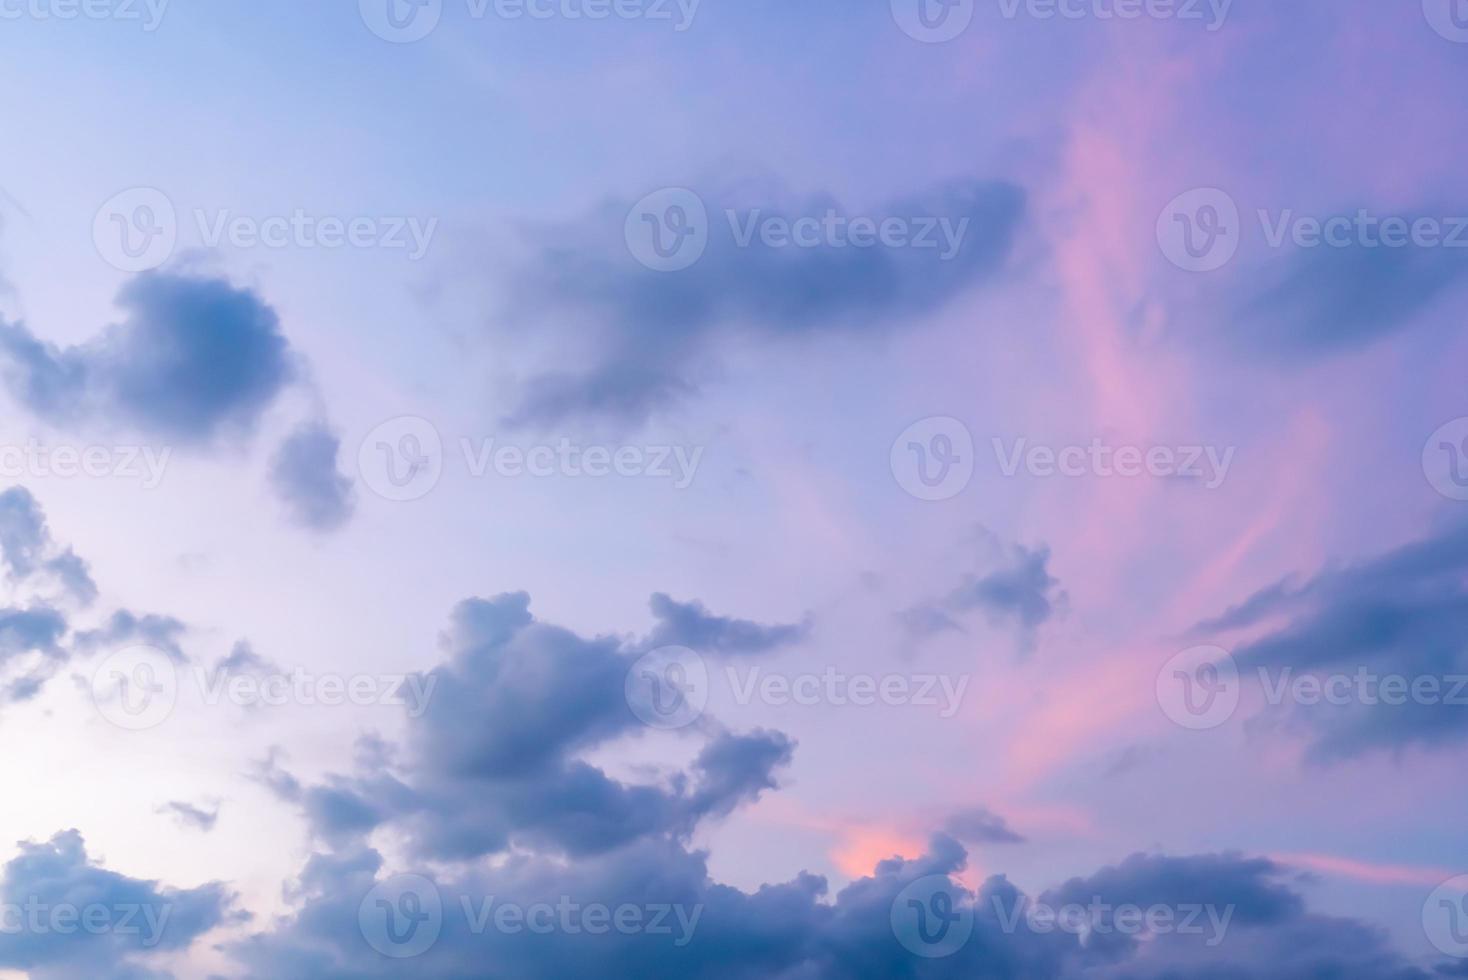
x: 305, y: 477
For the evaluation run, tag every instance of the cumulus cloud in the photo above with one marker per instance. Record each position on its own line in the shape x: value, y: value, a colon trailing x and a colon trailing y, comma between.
x: 305, y: 477
x: 190, y: 815
x: 193, y: 360
x: 644, y: 339
x: 123, y: 628
x: 132, y: 920
x: 1403, y: 613
x: 494, y: 759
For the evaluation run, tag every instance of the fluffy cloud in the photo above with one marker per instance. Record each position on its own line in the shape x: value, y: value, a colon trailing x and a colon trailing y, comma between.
x: 67, y: 918
x: 194, y: 359
x: 491, y: 771
x: 305, y: 477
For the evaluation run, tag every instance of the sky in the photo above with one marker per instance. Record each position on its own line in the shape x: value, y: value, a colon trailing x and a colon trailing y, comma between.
x: 681, y: 488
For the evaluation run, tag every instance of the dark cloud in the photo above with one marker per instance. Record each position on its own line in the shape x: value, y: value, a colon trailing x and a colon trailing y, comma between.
x: 493, y: 770
x: 1326, y: 299
x: 134, y: 920
x: 1017, y: 590
x: 646, y: 339
x: 494, y: 760
x: 194, y: 359
x: 304, y: 475
x: 978, y: 825
x: 1403, y: 613
x: 690, y: 624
